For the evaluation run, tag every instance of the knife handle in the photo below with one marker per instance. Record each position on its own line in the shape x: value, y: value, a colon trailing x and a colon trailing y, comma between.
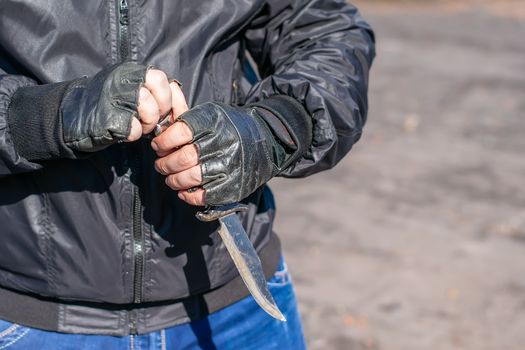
x: 216, y: 212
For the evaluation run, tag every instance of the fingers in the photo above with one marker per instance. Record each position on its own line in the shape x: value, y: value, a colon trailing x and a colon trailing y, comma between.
x: 178, y: 104
x: 136, y: 130
x: 154, y: 99
x: 175, y: 136
x: 157, y: 98
x: 178, y: 159
x: 182, y: 159
x: 184, y: 173
x: 158, y: 85
x: 195, y: 197
x: 178, y: 101
x: 185, y: 179
x: 148, y: 109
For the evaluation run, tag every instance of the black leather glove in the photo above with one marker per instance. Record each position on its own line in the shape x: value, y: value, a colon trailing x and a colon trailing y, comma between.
x: 241, y: 148
x: 64, y: 120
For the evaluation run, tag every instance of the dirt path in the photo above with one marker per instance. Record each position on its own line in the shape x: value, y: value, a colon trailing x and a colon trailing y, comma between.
x: 417, y: 239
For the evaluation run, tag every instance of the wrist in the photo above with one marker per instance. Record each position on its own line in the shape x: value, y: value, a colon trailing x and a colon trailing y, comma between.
x: 290, y: 125
x: 34, y: 125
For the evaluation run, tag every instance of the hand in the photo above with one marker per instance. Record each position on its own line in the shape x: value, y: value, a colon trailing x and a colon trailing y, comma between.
x: 157, y: 97
x: 216, y: 154
x: 70, y: 119
x: 179, y: 161
x: 131, y: 99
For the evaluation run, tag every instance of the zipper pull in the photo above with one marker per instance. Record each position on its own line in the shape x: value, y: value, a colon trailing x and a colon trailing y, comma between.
x: 124, y: 12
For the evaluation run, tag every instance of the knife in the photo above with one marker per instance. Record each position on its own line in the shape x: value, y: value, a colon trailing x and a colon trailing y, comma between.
x: 243, y: 254
x: 237, y: 244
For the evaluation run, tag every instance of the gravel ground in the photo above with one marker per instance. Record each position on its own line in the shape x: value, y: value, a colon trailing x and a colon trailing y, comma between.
x: 416, y: 240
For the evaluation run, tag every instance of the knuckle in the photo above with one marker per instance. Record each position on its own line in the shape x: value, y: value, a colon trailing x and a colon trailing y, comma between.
x: 172, y: 182
x: 162, y: 141
x: 184, y: 131
x: 147, y: 111
x: 200, y: 197
x: 145, y: 116
x: 171, y: 137
x: 191, y: 199
x: 146, y: 129
x: 197, y: 197
x: 149, y: 102
x: 187, y: 157
x: 144, y: 95
x: 148, y: 119
x: 161, y: 167
x: 157, y: 76
x: 159, y: 144
x: 175, y: 88
x: 163, y: 77
x: 194, y: 200
x: 195, y: 174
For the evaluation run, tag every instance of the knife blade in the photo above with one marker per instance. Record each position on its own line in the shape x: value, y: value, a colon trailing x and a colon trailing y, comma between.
x: 243, y: 254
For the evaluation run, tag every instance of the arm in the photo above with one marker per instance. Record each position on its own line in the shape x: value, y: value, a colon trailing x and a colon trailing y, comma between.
x: 301, y: 118
x: 318, y: 52
x: 10, y: 161
x: 75, y: 118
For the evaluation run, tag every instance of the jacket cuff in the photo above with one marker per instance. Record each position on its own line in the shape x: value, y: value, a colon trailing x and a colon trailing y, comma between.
x: 289, y: 122
x: 35, y: 123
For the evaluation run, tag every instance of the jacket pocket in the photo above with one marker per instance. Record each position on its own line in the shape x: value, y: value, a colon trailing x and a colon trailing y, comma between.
x: 11, y: 333
x: 281, y: 276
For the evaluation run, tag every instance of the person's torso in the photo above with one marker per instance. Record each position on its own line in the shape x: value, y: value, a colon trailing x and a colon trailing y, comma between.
x: 107, y: 228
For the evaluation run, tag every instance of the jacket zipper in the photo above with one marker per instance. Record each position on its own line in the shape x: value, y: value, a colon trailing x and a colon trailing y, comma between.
x: 123, y: 32
x: 138, y: 241
x: 138, y: 235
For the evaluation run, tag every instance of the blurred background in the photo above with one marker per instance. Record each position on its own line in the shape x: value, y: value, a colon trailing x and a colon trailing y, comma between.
x: 416, y: 240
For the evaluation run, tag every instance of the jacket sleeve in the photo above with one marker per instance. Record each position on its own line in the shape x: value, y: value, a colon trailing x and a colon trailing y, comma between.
x: 10, y: 161
x: 318, y: 52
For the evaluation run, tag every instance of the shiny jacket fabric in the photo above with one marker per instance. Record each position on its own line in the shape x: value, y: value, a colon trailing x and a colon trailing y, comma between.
x: 70, y: 228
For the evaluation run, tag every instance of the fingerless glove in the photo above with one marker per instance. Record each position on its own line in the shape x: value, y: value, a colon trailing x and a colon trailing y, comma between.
x: 70, y: 119
x: 241, y: 148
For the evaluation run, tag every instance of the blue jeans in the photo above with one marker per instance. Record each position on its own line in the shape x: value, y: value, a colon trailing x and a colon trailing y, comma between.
x: 243, y: 325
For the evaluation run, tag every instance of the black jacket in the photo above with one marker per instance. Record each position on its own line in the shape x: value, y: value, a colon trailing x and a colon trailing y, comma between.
x: 105, y: 232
